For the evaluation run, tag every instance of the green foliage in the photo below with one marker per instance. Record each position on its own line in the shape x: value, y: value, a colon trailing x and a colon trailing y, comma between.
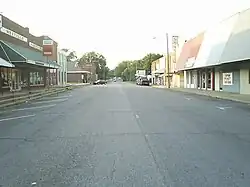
x: 98, y: 60
x: 71, y: 55
x: 127, y: 69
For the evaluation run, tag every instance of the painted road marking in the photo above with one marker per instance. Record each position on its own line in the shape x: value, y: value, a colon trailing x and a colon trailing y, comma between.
x: 55, y: 100
x: 19, y: 117
x: 222, y: 108
x: 31, y: 108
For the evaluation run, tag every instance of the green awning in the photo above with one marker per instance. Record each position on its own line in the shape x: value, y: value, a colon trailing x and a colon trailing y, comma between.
x: 4, y: 63
x: 17, y: 54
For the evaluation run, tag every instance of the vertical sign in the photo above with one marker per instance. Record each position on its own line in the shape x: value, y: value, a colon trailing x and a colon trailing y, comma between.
x: 175, y: 44
x: 1, y: 21
x: 47, y: 47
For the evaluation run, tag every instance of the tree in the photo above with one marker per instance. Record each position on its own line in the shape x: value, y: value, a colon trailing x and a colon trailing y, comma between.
x: 71, y: 55
x: 148, y: 59
x: 127, y: 69
x: 96, y: 59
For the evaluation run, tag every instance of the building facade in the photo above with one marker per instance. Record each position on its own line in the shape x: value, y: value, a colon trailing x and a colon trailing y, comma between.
x: 76, y: 74
x: 24, y: 50
x: 62, y: 70
x: 222, y: 62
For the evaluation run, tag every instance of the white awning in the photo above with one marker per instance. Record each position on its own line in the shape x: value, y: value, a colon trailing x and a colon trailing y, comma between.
x: 4, y: 63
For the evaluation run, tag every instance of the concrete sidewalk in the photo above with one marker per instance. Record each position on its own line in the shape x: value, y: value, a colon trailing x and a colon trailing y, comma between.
x: 220, y: 95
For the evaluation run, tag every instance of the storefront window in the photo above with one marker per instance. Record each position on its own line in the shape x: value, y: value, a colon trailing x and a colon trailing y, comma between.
x: 249, y: 76
x: 36, y: 78
x: 5, y: 77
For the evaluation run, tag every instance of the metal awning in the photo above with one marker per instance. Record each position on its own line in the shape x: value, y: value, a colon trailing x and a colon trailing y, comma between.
x: 17, y: 54
x: 4, y: 63
x: 78, y: 71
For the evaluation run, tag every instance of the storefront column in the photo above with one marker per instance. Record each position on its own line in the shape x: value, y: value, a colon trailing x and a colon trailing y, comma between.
x: 1, y: 81
x: 45, y: 77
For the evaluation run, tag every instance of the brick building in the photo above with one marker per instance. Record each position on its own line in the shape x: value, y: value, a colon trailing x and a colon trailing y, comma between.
x: 24, y: 51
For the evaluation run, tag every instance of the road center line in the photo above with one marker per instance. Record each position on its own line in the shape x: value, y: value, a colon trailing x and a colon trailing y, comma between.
x: 31, y: 108
x: 19, y: 117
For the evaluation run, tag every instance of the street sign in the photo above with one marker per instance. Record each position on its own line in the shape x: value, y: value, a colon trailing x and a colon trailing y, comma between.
x: 47, y: 47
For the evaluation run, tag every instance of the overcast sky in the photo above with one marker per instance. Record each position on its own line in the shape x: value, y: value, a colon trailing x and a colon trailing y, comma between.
x: 119, y: 29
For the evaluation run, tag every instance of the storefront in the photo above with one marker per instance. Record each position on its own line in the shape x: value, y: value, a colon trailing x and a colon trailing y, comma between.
x: 31, y: 68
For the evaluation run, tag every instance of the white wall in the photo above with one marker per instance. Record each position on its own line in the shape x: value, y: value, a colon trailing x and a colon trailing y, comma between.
x: 244, y: 81
x: 185, y: 79
x: 162, y: 63
x: 62, y: 71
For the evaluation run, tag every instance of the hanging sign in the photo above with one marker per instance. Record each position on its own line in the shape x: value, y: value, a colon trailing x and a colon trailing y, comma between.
x: 47, y: 47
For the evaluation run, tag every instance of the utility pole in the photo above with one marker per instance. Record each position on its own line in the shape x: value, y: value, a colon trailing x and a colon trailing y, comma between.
x: 168, y: 62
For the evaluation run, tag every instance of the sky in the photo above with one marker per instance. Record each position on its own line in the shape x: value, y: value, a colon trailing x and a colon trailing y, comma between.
x: 118, y: 29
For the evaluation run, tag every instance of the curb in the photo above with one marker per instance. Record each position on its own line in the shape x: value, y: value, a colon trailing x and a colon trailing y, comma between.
x: 23, y: 99
x: 34, y: 97
x: 207, y: 95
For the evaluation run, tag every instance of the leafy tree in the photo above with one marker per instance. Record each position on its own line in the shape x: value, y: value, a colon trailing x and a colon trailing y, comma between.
x: 127, y: 69
x: 148, y: 59
x: 71, y: 55
x: 96, y: 59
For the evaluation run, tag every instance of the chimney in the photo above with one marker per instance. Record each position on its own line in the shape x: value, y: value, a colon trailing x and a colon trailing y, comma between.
x: 27, y: 29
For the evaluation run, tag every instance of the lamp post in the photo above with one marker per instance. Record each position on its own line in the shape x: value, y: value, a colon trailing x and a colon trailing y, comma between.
x: 168, y: 61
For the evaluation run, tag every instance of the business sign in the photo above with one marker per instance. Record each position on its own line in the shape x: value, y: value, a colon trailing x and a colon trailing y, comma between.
x: 47, y: 47
x: 35, y: 46
x: 175, y: 42
x: 227, y: 78
x: 190, y: 62
x: 1, y: 21
x: 140, y: 72
x: 14, y: 34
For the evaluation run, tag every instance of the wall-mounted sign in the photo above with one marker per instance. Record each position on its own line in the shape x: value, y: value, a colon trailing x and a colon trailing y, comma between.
x: 227, y: 78
x: 47, y: 47
x: 140, y: 72
x: 190, y: 62
x: 1, y: 21
x: 14, y: 34
x: 35, y: 46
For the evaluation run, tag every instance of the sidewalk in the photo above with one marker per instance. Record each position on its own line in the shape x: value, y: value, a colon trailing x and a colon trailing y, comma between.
x: 215, y: 94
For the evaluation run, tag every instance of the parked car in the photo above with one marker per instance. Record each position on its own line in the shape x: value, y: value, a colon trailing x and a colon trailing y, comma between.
x: 98, y: 82
x: 143, y: 81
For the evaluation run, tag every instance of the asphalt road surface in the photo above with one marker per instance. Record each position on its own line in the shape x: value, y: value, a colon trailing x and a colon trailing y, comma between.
x: 125, y: 135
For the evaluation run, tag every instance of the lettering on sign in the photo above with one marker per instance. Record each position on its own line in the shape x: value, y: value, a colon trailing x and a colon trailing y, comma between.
x: 175, y: 42
x: 227, y: 78
x: 47, y: 42
x: 35, y: 46
x: 1, y: 21
x: 14, y: 34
